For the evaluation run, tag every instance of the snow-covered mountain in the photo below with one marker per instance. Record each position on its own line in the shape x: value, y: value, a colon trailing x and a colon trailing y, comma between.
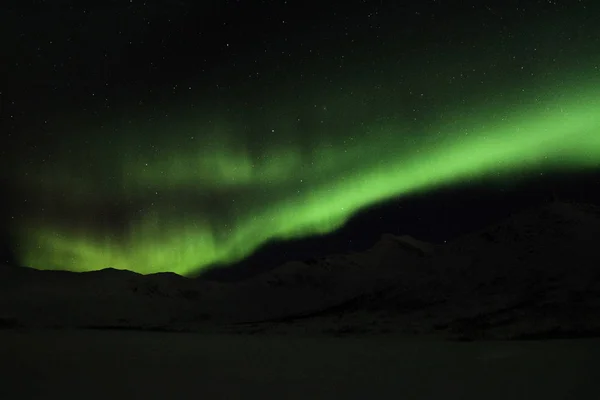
x: 536, y: 273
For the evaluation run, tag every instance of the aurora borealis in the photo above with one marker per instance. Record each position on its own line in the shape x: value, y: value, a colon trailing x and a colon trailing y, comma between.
x: 210, y: 175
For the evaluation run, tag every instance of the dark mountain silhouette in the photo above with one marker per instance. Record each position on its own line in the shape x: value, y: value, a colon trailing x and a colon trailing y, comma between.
x: 535, y: 274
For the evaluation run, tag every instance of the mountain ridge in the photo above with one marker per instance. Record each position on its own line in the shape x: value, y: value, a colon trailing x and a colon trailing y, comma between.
x: 532, y: 274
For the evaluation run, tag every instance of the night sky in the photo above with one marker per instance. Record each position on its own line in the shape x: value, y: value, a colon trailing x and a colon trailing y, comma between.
x: 178, y: 135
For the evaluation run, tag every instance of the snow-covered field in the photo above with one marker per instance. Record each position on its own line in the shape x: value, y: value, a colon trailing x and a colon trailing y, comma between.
x: 88, y: 364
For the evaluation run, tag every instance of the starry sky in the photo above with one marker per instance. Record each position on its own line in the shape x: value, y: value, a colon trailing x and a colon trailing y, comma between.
x: 183, y: 135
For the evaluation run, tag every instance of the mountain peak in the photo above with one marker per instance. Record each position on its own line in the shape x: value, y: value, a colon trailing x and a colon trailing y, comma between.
x: 408, y: 242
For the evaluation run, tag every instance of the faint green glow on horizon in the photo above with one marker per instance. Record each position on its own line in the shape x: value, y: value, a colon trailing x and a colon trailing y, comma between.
x: 283, y: 191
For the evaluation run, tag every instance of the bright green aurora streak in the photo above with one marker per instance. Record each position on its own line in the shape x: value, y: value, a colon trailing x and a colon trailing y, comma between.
x: 218, y: 201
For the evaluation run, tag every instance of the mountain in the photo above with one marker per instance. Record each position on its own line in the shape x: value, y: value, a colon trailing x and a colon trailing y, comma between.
x: 535, y: 274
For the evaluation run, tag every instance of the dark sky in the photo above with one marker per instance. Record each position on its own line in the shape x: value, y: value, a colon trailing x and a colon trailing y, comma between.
x: 174, y: 135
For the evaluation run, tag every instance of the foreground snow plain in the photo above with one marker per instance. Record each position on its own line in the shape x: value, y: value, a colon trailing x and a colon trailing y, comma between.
x: 92, y: 364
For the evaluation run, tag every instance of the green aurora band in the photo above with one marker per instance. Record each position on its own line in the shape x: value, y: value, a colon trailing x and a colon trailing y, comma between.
x: 217, y: 197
